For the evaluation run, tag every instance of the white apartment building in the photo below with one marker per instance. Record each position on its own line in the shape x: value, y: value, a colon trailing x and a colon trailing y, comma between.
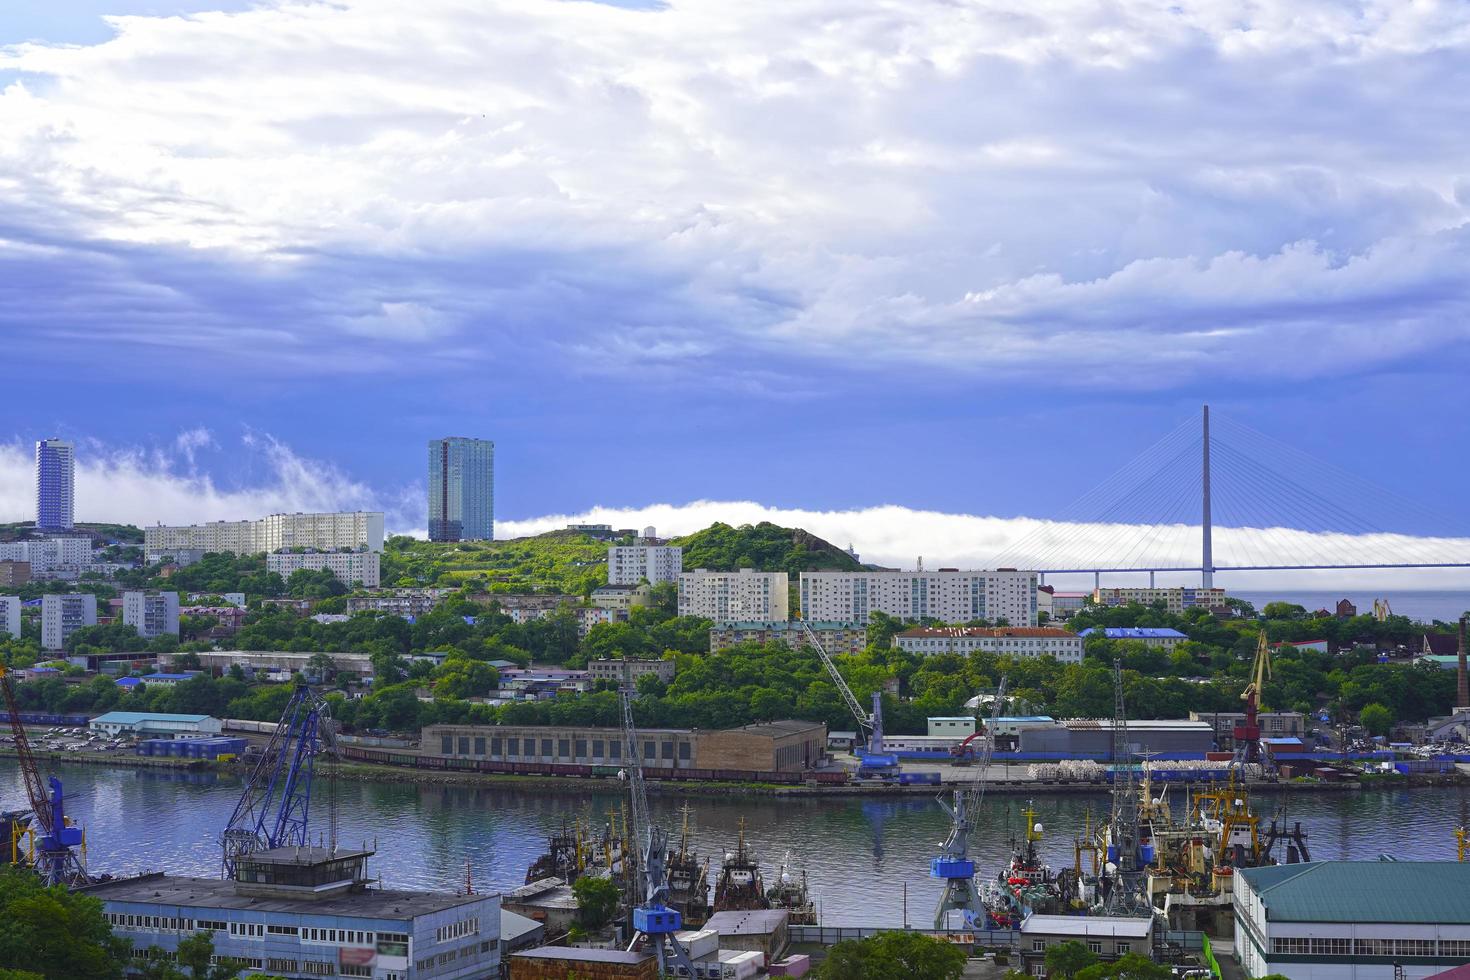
x: 350, y: 530
x: 1010, y: 641
x: 348, y: 567
x: 629, y: 564
x: 63, y: 615
x: 739, y: 596
x: 1175, y: 600
x: 49, y: 556
x: 151, y: 613
x: 10, y: 614
x: 947, y: 595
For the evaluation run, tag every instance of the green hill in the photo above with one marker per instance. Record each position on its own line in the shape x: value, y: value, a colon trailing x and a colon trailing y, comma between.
x: 765, y: 547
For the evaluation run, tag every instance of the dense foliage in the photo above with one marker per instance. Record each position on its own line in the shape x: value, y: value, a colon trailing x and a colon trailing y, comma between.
x: 765, y: 547
x: 893, y: 956
x: 52, y: 932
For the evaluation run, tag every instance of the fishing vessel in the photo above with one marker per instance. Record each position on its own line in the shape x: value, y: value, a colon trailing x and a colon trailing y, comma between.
x: 790, y: 893
x: 740, y: 887
x: 1027, y: 883
x: 688, y: 880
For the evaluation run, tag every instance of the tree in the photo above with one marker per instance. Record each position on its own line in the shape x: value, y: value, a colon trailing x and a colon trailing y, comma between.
x: 195, y: 953
x: 54, y: 932
x: 1067, y: 959
x: 597, y: 900
x: 894, y: 956
x: 322, y: 665
x: 1130, y: 966
x: 1376, y: 718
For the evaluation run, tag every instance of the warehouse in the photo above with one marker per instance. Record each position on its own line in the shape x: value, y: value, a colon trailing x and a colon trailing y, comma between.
x: 1092, y: 738
x: 1353, y: 920
x: 157, y: 725
x: 775, y: 746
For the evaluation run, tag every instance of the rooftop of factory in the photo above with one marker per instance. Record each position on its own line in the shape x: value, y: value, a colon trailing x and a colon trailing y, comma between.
x: 754, y: 922
x: 133, y: 717
x: 1136, y: 633
x: 1364, y: 891
x: 776, y: 729
x: 1124, y: 927
x: 1141, y: 724
x: 581, y: 954
x: 217, y: 893
x: 513, y: 926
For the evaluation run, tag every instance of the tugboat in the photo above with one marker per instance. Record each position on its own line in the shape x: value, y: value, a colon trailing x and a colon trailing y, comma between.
x: 739, y: 888
x: 688, y: 880
x: 790, y: 894
x: 1027, y: 884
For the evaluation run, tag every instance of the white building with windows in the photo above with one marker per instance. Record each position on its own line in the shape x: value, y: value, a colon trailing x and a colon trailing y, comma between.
x: 151, y: 613
x: 63, y: 615
x: 1175, y: 599
x: 1353, y: 920
x: 1011, y: 641
x: 348, y: 567
x: 629, y: 564
x: 50, y: 556
x: 10, y: 614
x: 349, y: 530
x: 947, y: 595
x: 725, y: 596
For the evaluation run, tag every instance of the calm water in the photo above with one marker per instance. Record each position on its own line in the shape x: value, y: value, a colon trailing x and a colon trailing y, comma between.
x: 859, y: 854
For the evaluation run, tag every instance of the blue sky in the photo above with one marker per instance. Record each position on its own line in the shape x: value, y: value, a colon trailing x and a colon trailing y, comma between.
x: 819, y: 255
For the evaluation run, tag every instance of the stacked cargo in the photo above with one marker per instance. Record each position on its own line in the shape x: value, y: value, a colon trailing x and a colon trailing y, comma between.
x: 191, y: 748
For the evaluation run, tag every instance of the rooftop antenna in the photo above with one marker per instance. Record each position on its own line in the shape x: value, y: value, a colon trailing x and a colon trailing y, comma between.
x: 469, y: 883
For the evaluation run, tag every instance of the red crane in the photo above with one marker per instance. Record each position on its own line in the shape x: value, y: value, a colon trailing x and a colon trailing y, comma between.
x: 1248, y: 732
x: 56, y: 857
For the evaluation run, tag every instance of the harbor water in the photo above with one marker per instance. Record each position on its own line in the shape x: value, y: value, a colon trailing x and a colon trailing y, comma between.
x: 863, y: 856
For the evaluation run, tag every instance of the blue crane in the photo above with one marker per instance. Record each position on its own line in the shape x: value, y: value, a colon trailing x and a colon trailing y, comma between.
x: 276, y: 803
x: 954, y: 866
x: 59, y: 849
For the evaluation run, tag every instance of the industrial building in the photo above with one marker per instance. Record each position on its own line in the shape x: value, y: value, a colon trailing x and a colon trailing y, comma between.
x: 726, y: 596
x: 310, y: 912
x: 1153, y: 636
x: 834, y: 637
x: 62, y: 615
x: 155, y: 724
x: 1008, y: 641
x: 776, y: 746
x: 351, y: 568
x: 351, y: 530
x: 1274, y: 724
x: 948, y: 595
x: 1106, y: 936
x: 1353, y: 920
x: 1092, y: 738
x: 562, y: 962
x: 548, y: 901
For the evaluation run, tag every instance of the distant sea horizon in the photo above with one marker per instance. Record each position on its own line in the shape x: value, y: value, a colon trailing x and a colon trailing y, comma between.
x: 1423, y: 605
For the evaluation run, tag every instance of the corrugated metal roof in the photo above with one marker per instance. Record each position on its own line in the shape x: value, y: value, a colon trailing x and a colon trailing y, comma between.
x: 133, y: 717
x: 1090, y: 926
x: 1135, y: 632
x: 1364, y: 891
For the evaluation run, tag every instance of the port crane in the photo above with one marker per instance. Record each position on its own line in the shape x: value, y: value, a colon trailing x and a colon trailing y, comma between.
x: 870, y: 725
x: 954, y: 866
x: 59, y: 850
x: 275, y: 806
x: 1128, y: 895
x: 653, y: 919
x: 1248, y: 733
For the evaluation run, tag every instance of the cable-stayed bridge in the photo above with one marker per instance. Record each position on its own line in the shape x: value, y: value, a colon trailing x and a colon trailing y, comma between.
x: 1216, y: 495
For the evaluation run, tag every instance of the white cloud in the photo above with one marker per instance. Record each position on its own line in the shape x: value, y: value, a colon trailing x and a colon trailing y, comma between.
x: 1008, y: 186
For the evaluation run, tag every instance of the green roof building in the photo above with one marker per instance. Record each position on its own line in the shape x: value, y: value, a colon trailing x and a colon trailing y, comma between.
x: 1353, y: 920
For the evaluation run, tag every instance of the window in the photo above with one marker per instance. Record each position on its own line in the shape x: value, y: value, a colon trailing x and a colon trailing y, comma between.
x: 1454, y: 947
x: 1038, y: 945
x: 668, y: 750
x: 247, y: 930
x: 281, y: 931
x: 318, y: 969
x: 581, y: 748
x: 446, y: 745
x: 1333, y: 947
x: 1293, y: 946
x: 1361, y: 947
x: 1094, y: 946
x: 212, y: 924
x: 649, y: 750
x: 614, y: 750
x: 1122, y: 948
x: 1413, y: 947
x: 350, y: 970
x: 280, y: 966
x: 546, y: 746
x: 464, y: 745
x: 684, y: 751
x: 597, y: 749
x: 480, y: 745
x: 464, y: 927
x: 562, y: 746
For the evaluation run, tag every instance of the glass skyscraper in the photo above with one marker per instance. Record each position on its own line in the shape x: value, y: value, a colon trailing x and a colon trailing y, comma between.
x: 55, y: 499
x: 461, y: 489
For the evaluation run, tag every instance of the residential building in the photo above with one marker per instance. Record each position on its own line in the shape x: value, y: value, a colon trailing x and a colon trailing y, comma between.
x: 616, y: 670
x: 1274, y: 724
x: 13, y: 573
x: 351, y: 568
x: 310, y: 912
x: 10, y: 614
x: 1154, y: 636
x: 1175, y: 599
x: 51, y: 556
x: 1107, y: 936
x: 347, y: 530
x: 724, y: 596
x: 777, y: 746
x: 629, y: 564
x: 1010, y: 641
x: 1060, y: 605
x: 835, y: 638
x: 55, y: 484
x: 154, y: 724
x: 229, y: 619
x: 947, y: 595
x: 621, y: 597
x: 152, y: 613
x: 63, y: 615
x: 1353, y: 920
x: 461, y: 489
x: 400, y: 602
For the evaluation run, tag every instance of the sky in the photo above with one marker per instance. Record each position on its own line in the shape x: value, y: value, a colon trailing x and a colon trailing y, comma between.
x: 882, y: 260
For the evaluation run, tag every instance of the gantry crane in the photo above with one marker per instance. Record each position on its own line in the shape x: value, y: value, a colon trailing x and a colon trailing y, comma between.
x: 653, y: 919
x: 275, y: 806
x: 59, y: 849
x: 870, y: 726
x: 1128, y: 894
x: 954, y: 866
x: 1248, y: 732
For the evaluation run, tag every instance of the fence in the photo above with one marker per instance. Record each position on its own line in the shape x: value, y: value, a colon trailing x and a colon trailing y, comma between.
x: 832, y: 935
x: 1213, y: 963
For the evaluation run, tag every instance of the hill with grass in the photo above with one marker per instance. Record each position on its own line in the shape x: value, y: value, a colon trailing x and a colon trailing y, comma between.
x: 765, y: 547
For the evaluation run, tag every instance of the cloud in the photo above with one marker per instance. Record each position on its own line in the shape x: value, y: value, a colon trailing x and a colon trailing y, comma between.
x: 147, y: 486
x: 987, y: 190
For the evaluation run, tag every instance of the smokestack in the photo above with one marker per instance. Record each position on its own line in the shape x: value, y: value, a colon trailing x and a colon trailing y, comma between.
x: 1463, y: 701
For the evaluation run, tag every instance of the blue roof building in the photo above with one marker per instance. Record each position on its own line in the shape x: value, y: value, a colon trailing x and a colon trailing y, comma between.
x: 1154, y: 636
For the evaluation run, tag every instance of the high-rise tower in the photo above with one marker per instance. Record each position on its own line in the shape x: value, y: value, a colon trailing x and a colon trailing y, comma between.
x: 55, y: 481
x: 461, y: 489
